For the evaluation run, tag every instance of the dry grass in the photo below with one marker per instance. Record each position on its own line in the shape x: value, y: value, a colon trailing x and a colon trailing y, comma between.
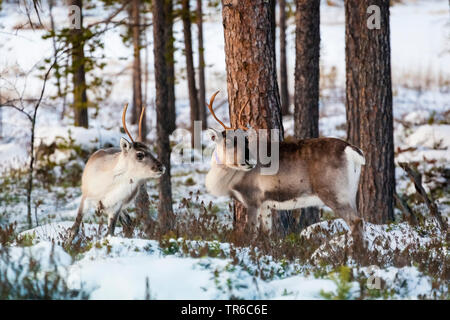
x: 422, y: 79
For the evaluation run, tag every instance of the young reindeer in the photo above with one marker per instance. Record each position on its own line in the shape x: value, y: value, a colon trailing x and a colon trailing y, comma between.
x: 112, y: 177
x: 311, y: 172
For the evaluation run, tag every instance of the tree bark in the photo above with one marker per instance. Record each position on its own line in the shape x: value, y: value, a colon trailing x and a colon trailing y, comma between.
x: 193, y: 100
x: 201, y: 67
x: 171, y: 114
x: 142, y: 205
x: 137, y: 72
x: 369, y: 107
x: 284, y: 90
x: 306, y: 115
x: 142, y: 202
x: 165, y: 212
x: 307, y: 47
x: 146, y: 67
x: 251, y: 70
x: 79, y: 78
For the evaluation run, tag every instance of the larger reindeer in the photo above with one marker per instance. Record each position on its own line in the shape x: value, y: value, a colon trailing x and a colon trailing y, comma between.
x: 311, y: 172
x: 112, y: 177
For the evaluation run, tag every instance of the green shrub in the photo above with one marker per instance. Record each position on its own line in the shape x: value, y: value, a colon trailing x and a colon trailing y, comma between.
x: 342, y: 278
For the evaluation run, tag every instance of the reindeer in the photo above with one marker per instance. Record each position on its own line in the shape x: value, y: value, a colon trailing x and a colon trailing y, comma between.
x: 311, y: 172
x: 112, y: 177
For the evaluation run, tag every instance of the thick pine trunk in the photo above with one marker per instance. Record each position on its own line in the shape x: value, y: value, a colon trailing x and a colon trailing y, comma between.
x: 201, y: 67
x: 306, y: 115
x: 142, y: 202
x: 284, y: 90
x: 307, y: 47
x: 146, y: 67
x: 193, y: 99
x: 165, y: 211
x: 369, y: 107
x: 79, y: 77
x: 142, y: 205
x: 171, y: 114
x: 137, y: 72
x: 251, y: 70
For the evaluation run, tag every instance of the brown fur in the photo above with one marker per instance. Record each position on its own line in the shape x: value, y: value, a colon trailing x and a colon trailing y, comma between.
x: 308, y: 169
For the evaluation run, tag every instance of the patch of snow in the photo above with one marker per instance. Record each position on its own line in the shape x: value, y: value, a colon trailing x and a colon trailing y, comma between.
x: 301, y: 288
x: 89, y: 139
x: 431, y: 136
x: 418, y: 117
x: 12, y: 156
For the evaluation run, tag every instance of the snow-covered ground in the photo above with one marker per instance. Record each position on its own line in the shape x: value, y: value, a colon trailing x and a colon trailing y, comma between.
x: 121, y: 268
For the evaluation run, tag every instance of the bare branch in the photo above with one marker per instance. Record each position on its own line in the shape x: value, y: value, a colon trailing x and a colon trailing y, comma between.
x: 8, y: 105
x: 408, y: 213
x: 416, y: 178
x: 112, y: 16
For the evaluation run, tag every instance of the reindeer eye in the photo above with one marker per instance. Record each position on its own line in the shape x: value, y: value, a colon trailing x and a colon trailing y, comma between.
x: 140, y: 155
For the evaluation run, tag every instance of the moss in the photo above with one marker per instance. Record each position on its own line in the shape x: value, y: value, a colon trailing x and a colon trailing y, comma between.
x: 214, y: 209
x: 169, y: 244
x: 189, y: 182
x: 214, y: 249
x: 26, y: 240
x: 342, y: 278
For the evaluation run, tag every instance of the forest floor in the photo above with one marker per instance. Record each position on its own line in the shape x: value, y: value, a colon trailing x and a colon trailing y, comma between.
x: 202, y: 260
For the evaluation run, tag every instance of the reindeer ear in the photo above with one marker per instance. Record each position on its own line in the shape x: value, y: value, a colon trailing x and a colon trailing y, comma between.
x: 125, y: 145
x: 214, y: 134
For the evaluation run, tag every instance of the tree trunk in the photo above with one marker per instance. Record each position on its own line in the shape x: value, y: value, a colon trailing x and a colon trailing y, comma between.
x: 142, y: 202
x: 137, y: 72
x: 51, y: 4
x: 201, y: 67
x: 251, y: 70
x: 307, y: 44
x: 171, y: 114
x: 193, y: 100
x: 79, y: 78
x: 165, y: 211
x: 306, y: 116
x: 369, y: 107
x: 142, y: 205
x: 146, y: 66
x: 284, y: 90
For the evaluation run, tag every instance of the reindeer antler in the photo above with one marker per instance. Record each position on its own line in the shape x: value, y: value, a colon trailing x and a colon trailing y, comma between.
x: 140, y: 124
x: 217, y: 119
x: 211, y: 101
x: 124, y: 122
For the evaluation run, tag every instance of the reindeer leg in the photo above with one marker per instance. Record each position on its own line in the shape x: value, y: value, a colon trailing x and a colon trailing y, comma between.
x: 265, y: 219
x: 252, y: 220
x: 73, y: 231
x: 344, y: 208
x: 350, y: 215
x: 127, y: 223
x: 357, y: 250
x: 112, y: 220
